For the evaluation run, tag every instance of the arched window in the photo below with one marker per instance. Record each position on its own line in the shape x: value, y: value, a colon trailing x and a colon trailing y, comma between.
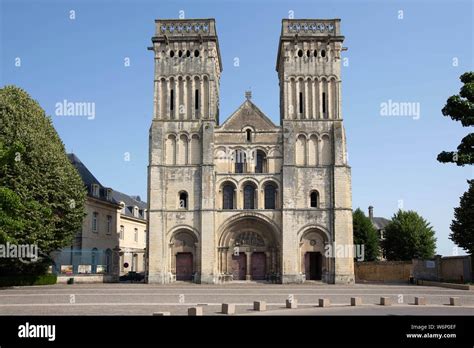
x: 183, y: 200
x: 228, y: 197
x: 270, y: 196
x: 261, y: 163
x: 248, y: 135
x: 314, y: 199
x: 249, y: 197
x: 240, y: 161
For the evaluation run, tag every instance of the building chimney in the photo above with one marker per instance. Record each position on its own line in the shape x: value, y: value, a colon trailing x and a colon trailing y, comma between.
x: 371, y: 213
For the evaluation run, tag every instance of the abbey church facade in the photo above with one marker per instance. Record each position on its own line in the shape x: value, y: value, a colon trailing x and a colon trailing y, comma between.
x: 246, y: 199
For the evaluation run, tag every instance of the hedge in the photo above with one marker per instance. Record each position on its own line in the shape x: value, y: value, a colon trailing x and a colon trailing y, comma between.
x: 24, y: 280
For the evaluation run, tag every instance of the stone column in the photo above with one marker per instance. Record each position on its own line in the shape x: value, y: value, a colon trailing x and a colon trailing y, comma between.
x: 320, y: 98
x: 248, y: 276
x: 339, y: 103
x: 176, y: 97
x: 306, y: 100
x: 226, y: 259
x: 168, y: 99
x: 313, y: 99
x: 297, y: 106
x: 289, y: 100
x: 157, y: 96
x: 329, y: 106
x: 185, y: 98
x: 193, y: 101
x: 201, y: 97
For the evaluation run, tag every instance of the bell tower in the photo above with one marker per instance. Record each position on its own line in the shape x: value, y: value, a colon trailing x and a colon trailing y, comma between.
x: 181, y: 170
x: 314, y: 145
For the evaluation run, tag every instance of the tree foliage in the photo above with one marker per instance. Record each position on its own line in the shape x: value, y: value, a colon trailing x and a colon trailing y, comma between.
x: 41, y: 194
x: 461, y: 108
x: 409, y: 236
x: 366, y: 235
x: 462, y: 226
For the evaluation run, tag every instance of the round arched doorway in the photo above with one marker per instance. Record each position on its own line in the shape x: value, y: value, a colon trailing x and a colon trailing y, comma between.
x: 183, y: 255
x: 249, y: 249
x: 313, y: 262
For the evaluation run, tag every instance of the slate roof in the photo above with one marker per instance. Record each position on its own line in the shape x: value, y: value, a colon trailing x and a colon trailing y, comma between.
x: 88, y: 178
x: 380, y: 223
x: 116, y: 197
x: 130, y: 203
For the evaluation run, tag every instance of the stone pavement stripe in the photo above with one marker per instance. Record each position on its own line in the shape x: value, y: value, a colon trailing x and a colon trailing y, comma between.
x: 118, y: 304
x: 220, y: 294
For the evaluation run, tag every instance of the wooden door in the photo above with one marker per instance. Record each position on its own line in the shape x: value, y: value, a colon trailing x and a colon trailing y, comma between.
x: 239, y: 266
x: 184, y: 266
x: 313, y: 265
x: 258, y: 266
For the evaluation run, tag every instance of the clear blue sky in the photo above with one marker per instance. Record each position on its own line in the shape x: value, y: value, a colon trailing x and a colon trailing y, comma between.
x: 405, y: 60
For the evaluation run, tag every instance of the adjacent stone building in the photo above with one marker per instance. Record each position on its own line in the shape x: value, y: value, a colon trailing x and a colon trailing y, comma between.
x: 112, y: 239
x: 248, y: 199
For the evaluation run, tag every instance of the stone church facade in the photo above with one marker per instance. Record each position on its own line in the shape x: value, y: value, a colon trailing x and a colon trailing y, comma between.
x: 247, y: 199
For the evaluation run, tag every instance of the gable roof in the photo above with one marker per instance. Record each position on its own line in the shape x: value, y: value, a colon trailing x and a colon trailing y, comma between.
x: 248, y: 114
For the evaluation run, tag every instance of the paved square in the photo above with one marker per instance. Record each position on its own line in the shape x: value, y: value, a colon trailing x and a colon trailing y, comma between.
x: 145, y: 299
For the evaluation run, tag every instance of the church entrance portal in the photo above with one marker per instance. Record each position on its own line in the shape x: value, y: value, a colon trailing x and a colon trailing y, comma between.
x: 184, y: 266
x: 313, y: 265
x: 249, y: 250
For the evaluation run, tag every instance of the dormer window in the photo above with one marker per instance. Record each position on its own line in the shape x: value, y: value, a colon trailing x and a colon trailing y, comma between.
x: 122, y: 208
x: 108, y: 194
x: 144, y: 214
x: 95, y: 190
x: 135, y: 211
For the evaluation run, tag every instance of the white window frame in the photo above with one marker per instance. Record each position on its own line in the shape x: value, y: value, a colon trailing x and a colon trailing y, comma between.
x: 95, y: 222
x: 95, y: 190
x: 109, y: 224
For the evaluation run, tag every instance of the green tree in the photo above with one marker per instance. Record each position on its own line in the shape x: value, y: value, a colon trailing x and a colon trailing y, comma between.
x: 409, y: 236
x: 461, y: 108
x: 41, y: 194
x: 366, y: 235
x: 462, y: 226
